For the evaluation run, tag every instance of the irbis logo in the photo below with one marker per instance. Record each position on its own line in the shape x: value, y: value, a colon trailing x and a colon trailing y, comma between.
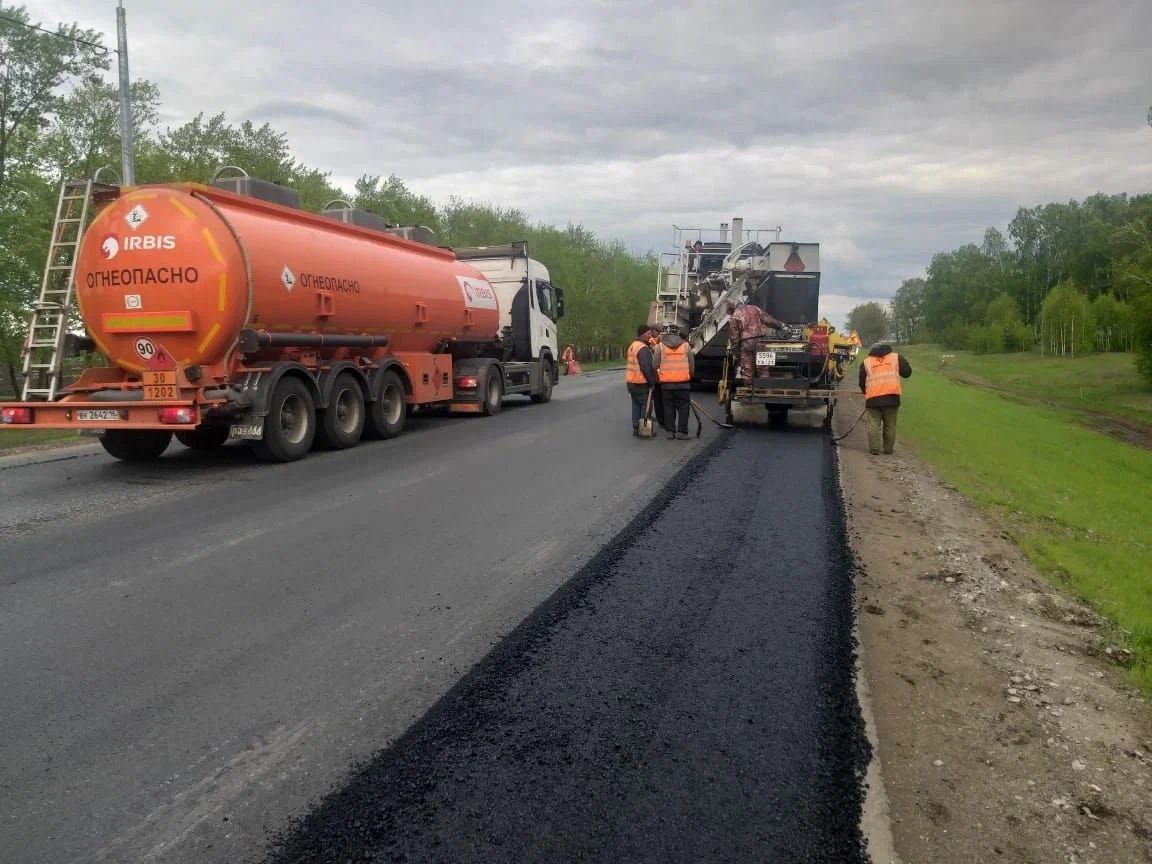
x: 110, y: 246
x: 149, y: 241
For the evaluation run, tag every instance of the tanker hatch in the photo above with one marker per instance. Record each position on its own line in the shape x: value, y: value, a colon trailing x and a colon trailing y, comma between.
x: 242, y: 184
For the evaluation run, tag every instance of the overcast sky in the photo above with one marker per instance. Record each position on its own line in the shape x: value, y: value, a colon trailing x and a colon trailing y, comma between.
x: 886, y: 130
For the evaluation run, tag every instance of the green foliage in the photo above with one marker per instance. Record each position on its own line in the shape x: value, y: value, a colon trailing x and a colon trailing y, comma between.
x: 1067, y: 275
x: 392, y: 200
x: 35, y: 66
x: 1142, y: 335
x: 871, y: 321
x: 907, y: 310
x: 1075, y: 500
x: 1066, y: 321
x: 83, y: 133
x: 1114, y: 324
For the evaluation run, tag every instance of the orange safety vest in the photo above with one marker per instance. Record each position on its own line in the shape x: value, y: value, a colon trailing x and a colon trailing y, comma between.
x: 882, y: 375
x: 674, y: 365
x: 633, y: 375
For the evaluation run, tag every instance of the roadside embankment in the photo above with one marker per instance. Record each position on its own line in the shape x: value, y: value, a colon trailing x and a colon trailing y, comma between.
x: 1075, y: 500
x: 1008, y: 729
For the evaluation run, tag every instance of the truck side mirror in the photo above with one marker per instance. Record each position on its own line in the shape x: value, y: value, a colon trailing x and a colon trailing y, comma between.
x: 559, y: 302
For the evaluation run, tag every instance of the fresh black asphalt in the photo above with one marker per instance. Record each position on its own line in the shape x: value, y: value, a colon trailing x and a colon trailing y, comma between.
x: 687, y: 696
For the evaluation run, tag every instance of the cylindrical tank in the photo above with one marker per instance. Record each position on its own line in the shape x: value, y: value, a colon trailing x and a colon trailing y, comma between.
x: 185, y: 267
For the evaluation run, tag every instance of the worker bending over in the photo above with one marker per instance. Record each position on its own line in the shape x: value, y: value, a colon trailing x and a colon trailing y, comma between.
x: 639, y: 375
x: 880, y: 375
x: 675, y: 366
x: 746, y: 324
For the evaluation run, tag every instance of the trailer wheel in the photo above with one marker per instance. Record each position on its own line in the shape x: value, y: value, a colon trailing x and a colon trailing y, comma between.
x: 546, y: 383
x: 290, y: 426
x: 386, y: 415
x: 342, y: 422
x: 493, y: 396
x: 135, y: 445
x: 204, y: 438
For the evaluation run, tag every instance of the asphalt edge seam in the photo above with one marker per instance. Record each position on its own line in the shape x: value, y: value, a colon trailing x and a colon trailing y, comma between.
x: 875, y: 815
x: 516, y: 643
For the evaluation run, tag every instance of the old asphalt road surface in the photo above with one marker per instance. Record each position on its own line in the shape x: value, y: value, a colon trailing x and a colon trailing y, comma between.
x: 687, y: 697
x: 193, y: 650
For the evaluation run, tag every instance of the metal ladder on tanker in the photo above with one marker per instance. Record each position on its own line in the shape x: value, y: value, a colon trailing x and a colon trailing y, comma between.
x: 51, y: 313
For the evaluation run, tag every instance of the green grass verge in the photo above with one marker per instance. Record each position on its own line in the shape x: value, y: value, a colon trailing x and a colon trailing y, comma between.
x: 12, y: 437
x: 1076, y: 501
x: 1101, y: 383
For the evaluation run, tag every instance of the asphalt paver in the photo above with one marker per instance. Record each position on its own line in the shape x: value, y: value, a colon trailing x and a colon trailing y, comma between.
x: 687, y: 696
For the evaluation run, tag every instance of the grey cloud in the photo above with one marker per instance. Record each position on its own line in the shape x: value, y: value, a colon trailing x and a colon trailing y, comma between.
x: 888, y: 129
x: 288, y: 109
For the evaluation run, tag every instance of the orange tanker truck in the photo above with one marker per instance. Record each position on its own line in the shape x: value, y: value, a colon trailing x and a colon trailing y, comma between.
x: 225, y: 312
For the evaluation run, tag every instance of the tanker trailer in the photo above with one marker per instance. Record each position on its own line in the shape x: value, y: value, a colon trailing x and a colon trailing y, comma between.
x: 228, y: 316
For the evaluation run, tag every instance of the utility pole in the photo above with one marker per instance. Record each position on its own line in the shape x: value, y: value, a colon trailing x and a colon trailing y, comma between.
x: 127, y: 151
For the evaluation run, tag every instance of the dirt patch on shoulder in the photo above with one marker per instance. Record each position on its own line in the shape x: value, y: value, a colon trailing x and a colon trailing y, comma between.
x: 1129, y: 431
x: 1006, y: 729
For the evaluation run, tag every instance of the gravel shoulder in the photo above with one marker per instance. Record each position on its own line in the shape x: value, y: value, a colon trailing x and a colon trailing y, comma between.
x: 1006, y: 729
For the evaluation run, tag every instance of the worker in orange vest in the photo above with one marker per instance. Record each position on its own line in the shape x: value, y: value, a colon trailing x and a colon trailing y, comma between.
x: 653, y: 339
x: 880, y: 375
x: 675, y: 366
x: 639, y: 375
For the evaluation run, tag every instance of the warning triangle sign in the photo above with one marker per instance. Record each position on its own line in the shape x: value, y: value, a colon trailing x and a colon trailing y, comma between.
x: 794, y: 264
x: 161, y: 360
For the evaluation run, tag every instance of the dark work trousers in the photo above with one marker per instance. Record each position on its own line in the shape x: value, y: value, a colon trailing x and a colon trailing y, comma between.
x: 639, y: 400
x: 658, y: 404
x: 676, y: 408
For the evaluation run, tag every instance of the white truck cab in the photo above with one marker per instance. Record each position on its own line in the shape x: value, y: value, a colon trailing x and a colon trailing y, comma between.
x: 530, y: 305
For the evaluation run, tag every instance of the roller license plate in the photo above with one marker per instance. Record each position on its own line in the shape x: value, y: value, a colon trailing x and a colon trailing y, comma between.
x: 101, y: 415
x: 246, y: 431
x: 765, y: 358
x: 160, y: 385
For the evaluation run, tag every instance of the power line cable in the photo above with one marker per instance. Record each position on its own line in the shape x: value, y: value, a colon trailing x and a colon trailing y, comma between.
x: 100, y: 49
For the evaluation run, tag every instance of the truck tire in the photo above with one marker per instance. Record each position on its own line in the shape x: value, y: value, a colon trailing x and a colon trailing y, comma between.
x: 546, y: 383
x: 492, y: 396
x: 204, y: 438
x: 342, y: 422
x: 290, y: 426
x: 135, y: 445
x: 387, y: 413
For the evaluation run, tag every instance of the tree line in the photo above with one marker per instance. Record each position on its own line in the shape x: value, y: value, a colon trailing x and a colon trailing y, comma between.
x: 59, y: 120
x: 1068, y: 279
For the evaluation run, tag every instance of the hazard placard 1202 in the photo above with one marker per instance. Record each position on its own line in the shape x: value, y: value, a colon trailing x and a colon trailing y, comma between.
x: 160, y: 385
